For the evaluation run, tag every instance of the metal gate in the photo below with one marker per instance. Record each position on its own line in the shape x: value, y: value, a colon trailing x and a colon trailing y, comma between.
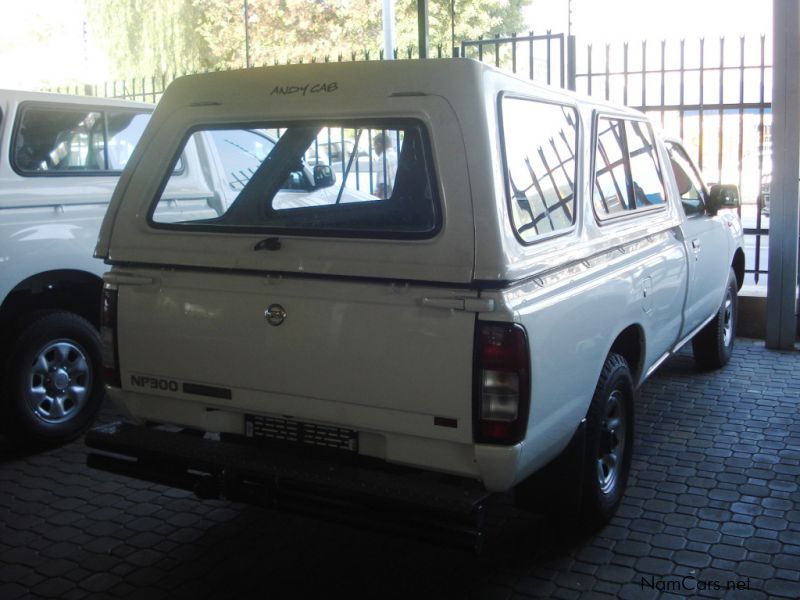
x: 541, y: 58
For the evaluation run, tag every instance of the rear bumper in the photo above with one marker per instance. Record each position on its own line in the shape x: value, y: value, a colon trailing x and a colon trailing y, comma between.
x: 260, y: 474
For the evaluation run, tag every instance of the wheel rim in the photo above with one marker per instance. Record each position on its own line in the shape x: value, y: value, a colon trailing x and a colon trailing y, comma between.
x: 612, y: 442
x: 58, y: 383
x: 727, y: 323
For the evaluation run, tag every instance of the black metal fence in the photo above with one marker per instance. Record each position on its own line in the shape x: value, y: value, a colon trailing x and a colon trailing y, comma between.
x: 541, y: 58
x: 715, y: 95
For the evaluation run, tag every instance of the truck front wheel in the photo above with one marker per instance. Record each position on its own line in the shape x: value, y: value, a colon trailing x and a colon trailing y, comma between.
x: 53, y: 380
x: 713, y: 345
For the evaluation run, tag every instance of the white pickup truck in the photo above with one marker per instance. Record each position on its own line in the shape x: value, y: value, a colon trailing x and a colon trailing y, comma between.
x: 416, y: 282
x: 60, y: 158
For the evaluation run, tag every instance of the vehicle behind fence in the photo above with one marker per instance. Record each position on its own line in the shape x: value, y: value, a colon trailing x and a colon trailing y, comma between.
x: 714, y: 94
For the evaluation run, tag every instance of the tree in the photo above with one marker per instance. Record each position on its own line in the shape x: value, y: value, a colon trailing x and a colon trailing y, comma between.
x: 281, y: 30
x: 147, y: 37
x: 473, y: 19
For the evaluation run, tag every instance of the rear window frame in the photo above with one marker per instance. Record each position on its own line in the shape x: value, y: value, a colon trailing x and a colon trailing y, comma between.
x: 25, y: 105
x: 365, y: 123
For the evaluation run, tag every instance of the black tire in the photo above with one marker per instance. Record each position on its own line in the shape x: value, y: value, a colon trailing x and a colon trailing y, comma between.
x: 713, y: 344
x: 609, y: 443
x: 53, y: 382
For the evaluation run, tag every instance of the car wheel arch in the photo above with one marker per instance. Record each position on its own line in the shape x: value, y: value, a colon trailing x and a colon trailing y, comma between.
x: 630, y: 344
x: 72, y: 290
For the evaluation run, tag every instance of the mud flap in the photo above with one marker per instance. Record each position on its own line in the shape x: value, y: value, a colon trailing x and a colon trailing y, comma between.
x: 557, y: 487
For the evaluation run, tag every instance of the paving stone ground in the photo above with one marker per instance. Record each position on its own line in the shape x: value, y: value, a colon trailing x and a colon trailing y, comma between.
x: 713, y: 503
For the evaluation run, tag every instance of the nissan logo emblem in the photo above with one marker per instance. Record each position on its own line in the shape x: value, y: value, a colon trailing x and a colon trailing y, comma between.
x: 275, y: 314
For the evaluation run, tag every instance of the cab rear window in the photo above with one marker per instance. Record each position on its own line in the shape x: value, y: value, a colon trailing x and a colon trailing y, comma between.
x: 364, y: 179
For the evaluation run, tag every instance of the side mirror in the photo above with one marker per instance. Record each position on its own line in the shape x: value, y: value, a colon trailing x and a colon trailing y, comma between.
x: 323, y: 176
x: 722, y: 196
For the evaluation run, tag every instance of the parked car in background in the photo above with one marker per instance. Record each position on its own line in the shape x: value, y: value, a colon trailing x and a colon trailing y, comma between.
x: 482, y: 328
x: 60, y: 158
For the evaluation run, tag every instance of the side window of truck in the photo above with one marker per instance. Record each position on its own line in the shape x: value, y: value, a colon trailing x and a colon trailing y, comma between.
x: 74, y: 140
x: 648, y: 182
x: 363, y: 179
x: 539, y: 141
x: 611, y: 179
x: 690, y: 185
x: 627, y: 174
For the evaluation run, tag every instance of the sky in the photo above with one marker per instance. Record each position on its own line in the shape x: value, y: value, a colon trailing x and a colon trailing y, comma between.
x: 44, y: 43
x: 631, y: 20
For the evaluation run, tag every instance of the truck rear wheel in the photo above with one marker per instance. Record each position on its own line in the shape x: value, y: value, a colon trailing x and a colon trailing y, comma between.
x: 53, y: 380
x: 609, y: 443
x: 713, y: 345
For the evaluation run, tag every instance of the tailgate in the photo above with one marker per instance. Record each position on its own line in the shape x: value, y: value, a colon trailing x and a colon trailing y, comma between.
x: 367, y: 355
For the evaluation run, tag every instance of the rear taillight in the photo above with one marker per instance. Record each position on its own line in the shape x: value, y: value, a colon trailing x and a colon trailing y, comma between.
x: 502, y: 383
x: 108, y: 336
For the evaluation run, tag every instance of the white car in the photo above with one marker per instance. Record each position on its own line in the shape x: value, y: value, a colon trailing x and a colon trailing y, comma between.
x: 60, y: 158
x: 483, y: 327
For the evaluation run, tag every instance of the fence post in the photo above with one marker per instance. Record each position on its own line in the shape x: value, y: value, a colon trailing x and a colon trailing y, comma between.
x: 422, y: 25
x: 571, y: 63
x: 782, y: 271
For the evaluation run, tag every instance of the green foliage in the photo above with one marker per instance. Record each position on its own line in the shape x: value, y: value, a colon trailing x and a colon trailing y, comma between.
x: 473, y: 19
x: 147, y: 37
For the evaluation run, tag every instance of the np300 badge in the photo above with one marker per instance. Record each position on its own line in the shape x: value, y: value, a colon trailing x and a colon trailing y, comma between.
x: 154, y: 383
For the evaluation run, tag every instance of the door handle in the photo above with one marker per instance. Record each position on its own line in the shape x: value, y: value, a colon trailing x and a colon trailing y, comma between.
x: 696, y: 244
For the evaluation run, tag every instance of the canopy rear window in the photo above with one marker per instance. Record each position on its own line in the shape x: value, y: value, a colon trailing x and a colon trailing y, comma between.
x: 371, y: 179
